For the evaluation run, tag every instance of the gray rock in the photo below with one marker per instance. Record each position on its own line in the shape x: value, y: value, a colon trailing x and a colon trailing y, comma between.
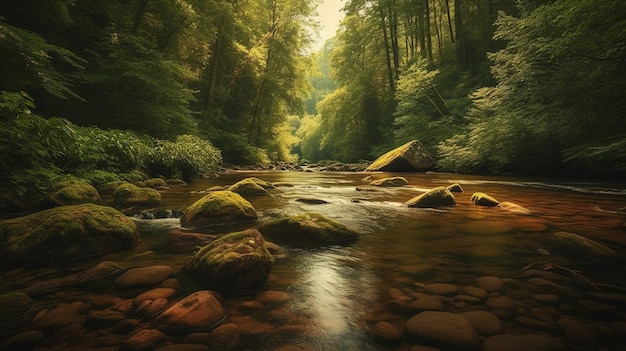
x: 437, y: 197
x: 485, y: 323
x: 144, y: 276
x: 490, y: 283
x: 579, y: 247
x: 409, y: 157
x: 509, y: 342
x: 577, y: 332
x: 200, y: 311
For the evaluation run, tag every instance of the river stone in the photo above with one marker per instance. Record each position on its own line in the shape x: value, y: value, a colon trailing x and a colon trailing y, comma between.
x: 547, y: 299
x: 26, y: 340
x: 390, y: 182
x: 577, y: 246
x: 409, y: 157
x: 225, y: 337
x: 178, y: 241
x: 577, y: 332
x: 443, y: 329
x: 433, y: 198
x: 56, y: 318
x: 312, y: 201
x: 428, y: 303
x: 442, y: 289
x: 476, y: 292
x: 543, y: 286
x: 65, y: 234
x: 187, y: 347
x: 501, y: 303
x: 218, y: 207
x: 129, y: 195
x: 200, y: 311
x: 485, y: 323
x: 513, y: 207
x: 509, y: 342
x: 387, y: 332
x: 144, y: 276
x: 490, y: 283
x: 309, y: 229
x: 248, y: 187
x: 152, y: 295
x: 14, y: 305
x: 72, y: 193
x: 537, y: 324
x: 102, y: 270
x: 482, y: 199
x: 143, y: 340
x: 417, y: 270
x: 104, y: 318
x: 236, y: 262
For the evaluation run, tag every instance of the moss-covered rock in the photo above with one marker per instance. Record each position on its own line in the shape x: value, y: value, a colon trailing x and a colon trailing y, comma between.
x: 437, y: 197
x: 578, y: 246
x: 248, y: 187
x: 482, y: 199
x: 129, y: 195
x: 72, y: 193
x: 155, y: 183
x: 13, y: 306
x: 309, y: 229
x: 64, y: 234
x: 455, y: 188
x: 237, y: 262
x: 218, y: 207
x: 409, y: 157
x: 110, y: 187
x: 262, y: 183
x: 390, y: 182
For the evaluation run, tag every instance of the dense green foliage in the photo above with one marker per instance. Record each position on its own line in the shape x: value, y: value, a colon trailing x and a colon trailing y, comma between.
x: 533, y: 87
x: 124, y: 88
x: 37, y: 153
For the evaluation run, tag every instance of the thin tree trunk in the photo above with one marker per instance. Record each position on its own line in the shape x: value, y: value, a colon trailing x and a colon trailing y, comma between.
x: 449, y: 21
x: 386, y: 44
x: 429, y: 39
x: 141, y: 10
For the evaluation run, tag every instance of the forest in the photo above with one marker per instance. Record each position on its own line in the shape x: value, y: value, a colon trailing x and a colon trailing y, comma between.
x: 105, y: 90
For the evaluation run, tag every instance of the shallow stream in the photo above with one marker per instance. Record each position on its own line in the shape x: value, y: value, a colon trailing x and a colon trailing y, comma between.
x: 337, y: 297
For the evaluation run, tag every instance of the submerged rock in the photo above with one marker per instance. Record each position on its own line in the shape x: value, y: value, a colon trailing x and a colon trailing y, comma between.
x: 443, y: 329
x: 236, y: 262
x: 455, y: 188
x: 309, y: 229
x: 409, y: 157
x: 578, y: 246
x: 200, y: 311
x: 482, y: 199
x: 64, y: 234
x: 437, y: 197
x: 218, y: 207
x: 390, y: 182
x: 72, y: 193
x: 13, y: 306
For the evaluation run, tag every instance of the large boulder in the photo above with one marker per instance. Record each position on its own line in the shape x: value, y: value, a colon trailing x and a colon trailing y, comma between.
x: 437, y: 197
x: 309, y: 229
x: 482, y: 199
x: 237, y: 262
x: 409, y: 157
x: 64, y: 234
x: 130, y: 195
x: 578, y: 246
x: 14, y: 305
x: 72, y: 193
x: 200, y: 311
x: 218, y: 207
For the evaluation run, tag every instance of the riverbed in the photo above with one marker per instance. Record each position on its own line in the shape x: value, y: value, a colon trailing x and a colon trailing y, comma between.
x: 458, y: 259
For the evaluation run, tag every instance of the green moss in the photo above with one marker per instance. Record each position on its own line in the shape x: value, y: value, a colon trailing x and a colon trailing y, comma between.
x: 14, y: 305
x: 72, y: 193
x: 127, y: 195
x: 408, y: 157
x: 482, y: 199
x: 262, y: 183
x: 390, y: 182
x: 155, y: 183
x: 248, y: 187
x: 110, y: 187
x: 580, y: 247
x: 309, y: 228
x: 218, y: 207
x: 65, y: 233
x: 437, y: 197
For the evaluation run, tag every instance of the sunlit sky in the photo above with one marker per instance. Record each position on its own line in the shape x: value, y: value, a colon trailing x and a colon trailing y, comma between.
x: 329, y: 16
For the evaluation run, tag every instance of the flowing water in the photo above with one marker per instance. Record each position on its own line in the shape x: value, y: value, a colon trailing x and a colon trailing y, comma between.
x: 337, y: 296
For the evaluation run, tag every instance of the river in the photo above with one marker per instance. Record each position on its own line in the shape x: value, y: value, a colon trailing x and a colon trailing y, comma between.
x: 338, y: 297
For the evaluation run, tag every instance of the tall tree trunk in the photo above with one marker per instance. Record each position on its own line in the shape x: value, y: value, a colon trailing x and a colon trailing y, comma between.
x: 429, y: 39
x: 420, y: 30
x: 393, y: 30
x: 449, y: 21
x: 383, y: 23
x: 458, y: 27
x: 141, y: 10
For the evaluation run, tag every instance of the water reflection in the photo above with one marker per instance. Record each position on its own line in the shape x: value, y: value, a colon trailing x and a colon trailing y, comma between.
x: 333, y: 287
